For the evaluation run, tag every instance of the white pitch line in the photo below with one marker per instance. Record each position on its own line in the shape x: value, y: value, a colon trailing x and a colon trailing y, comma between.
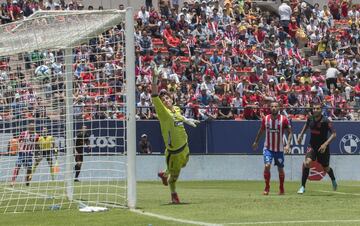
x: 340, y: 193
x: 293, y: 222
x: 102, y: 203
x: 162, y: 217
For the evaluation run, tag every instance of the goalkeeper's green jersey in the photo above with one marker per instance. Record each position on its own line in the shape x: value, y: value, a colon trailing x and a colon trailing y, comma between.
x: 172, y: 126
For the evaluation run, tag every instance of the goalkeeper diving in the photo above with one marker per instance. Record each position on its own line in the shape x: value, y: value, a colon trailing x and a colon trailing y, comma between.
x: 173, y: 133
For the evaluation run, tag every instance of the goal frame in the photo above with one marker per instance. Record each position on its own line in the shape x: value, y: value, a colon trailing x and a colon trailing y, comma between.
x: 8, y: 47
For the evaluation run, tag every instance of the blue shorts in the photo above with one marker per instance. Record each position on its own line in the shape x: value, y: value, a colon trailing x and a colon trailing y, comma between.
x: 24, y: 159
x: 278, y: 157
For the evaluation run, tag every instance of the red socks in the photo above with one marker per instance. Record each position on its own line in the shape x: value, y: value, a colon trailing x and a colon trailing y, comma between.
x: 281, y: 180
x: 15, y: 173
x: 267, y: 180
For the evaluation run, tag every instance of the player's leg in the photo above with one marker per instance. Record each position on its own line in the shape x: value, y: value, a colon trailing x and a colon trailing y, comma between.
x: 279, y: 162
x: 268, y: 156
x: 309, y: 157
x: 164, y: 175
x: 28, y: 166
x: 79, y: 160
x: 18, y: 164
x: 28, y: 175
x: 324, y: 160
x: 173, y: 176
x: 176, y: 163
x: 48, y: 156
x: 38, y: 158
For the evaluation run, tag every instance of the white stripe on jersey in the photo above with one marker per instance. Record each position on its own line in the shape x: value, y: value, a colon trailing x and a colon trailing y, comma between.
x: 27, y: 141
x: 274, y: 133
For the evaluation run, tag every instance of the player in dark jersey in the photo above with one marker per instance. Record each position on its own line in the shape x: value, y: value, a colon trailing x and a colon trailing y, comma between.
x: 318, y: 149
x: 82, y: 140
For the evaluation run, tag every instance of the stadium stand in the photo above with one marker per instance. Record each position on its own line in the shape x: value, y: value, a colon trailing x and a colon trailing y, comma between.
x: 216, y: 57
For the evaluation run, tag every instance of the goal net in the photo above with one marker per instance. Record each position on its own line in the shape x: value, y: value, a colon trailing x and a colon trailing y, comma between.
x: 67, y: 129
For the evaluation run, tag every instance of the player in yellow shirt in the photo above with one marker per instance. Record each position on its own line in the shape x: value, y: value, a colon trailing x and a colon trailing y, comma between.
x: 45, y: 149
x: 173, y: 133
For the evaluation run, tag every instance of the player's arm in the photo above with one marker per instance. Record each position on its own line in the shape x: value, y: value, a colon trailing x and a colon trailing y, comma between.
x: 155, y: 79
x: 305, y: 127
x: 330, y: 139
x: 259, y: 135
x: 190, y: 121
x: 288, y: 128
x: 160, y: 108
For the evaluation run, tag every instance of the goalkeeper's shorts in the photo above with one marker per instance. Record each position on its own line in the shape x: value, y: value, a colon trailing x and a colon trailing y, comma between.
x: 40, y: 154
x: 175, y: 160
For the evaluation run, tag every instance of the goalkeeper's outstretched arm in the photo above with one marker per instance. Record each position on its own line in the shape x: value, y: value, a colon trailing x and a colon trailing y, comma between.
x: 155, y: 78
x: 190, y: 121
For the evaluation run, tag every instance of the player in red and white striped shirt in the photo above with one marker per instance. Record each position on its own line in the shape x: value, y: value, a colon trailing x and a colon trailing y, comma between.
x: 27, y: 141
x: 274, y: 125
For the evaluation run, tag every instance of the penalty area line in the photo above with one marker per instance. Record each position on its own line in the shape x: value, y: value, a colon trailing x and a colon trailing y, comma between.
x: 163, y: 217
x: 294, y: 222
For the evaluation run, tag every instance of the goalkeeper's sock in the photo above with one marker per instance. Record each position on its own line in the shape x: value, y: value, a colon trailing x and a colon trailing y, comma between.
x: 305, y: 175
x: 331, y: 174
x: 172, y: 181
x: 34, y: 168
x: 172, y: 187
x: 15, y: 173
x: 267, y: 176
x: 28, y: 176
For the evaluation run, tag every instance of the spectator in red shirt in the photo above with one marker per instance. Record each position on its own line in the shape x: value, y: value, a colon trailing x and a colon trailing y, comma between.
x: 178, y: 68
x: 282, y: 87
x: 249, y: 106
x: 260, y: 33
x: 293, y: 28
x: 253, y: 78
x: 13, y: 10
x: 344, y: 8
x: 87, y: 76
x: 335, y: 9
x: 192, y: 108
x: 171, y: 40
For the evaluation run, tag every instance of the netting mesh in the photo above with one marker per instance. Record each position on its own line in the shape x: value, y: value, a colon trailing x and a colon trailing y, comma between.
x: 54, y: 29
x: 36, y: 57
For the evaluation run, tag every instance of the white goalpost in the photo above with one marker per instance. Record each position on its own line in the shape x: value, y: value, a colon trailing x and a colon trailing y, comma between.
x: 67, y: 111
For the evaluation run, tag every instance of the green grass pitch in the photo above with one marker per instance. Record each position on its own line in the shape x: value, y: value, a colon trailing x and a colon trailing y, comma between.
x: 216, y: 202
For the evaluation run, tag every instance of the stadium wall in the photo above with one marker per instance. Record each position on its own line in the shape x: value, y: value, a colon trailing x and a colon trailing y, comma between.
x: 210, y: 137
x: 236, y: 137
x: 200, y: 167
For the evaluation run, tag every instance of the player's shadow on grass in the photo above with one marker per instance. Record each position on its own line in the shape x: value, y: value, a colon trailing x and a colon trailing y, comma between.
x: 172, y: 204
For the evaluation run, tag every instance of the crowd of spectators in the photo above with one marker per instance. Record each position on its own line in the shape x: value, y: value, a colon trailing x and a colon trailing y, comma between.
x: 32, y: 84
x: 231, y: 60
x: 218, y: 61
